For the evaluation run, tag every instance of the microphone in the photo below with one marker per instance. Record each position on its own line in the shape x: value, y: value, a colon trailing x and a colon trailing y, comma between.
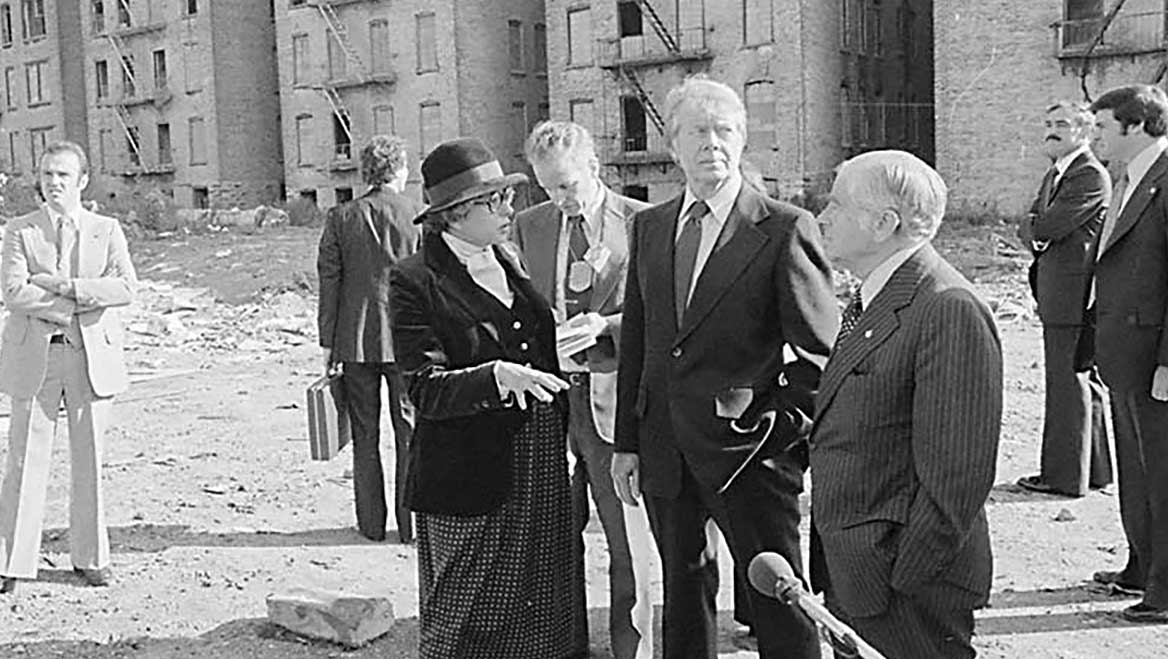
x: 771, y: 575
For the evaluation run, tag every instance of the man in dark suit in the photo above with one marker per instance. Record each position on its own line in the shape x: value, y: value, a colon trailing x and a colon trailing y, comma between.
x: 728, y: 305
x: 576, y: 247
x: 907, y: 420
x: 1062, y: 230
x: 1131, y: 347
x: 362, y: 240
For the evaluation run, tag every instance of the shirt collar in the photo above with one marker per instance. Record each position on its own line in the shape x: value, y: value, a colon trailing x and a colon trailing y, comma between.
x: 1139, y: 165
x: 463, y: 250
x: 720, y: 204
x: 56, y: 217
x: 878, y: 278
x: 592, y: 213
x: 1064, y: 162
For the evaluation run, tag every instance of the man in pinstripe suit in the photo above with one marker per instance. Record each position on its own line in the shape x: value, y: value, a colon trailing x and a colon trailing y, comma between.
x: 907, y: 420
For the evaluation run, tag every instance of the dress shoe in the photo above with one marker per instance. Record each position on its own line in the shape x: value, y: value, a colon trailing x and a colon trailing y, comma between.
x: 1116, y: 581
x: 94, y: 577
x: 1144, y: 613
x: 7, y: 585
x: 1036, y: 484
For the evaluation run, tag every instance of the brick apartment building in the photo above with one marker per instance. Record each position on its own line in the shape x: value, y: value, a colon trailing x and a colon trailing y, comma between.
x: 999, y: 68
x: 185, y: 99
x: 42, y: 92
x: 427, y: 70
x: 821, y: 81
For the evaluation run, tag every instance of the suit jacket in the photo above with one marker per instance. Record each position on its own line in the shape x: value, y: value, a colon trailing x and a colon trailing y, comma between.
x: 537, y: 232
x: 362, y: 240
x: 766, y: 285
x: 1070, y: 223
x: 1131, y: 287
x: 903, y: 449
x: 104, y: 280
x: 448, y: 332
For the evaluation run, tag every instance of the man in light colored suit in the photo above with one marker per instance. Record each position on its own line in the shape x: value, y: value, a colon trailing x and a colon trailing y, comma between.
x: 64, y: 272
x: 907, y: 420
x: 576, y: 248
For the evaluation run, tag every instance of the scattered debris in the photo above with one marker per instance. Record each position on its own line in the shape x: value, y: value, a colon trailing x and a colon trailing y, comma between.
x: 1065, y: 515
x: 351, y: 620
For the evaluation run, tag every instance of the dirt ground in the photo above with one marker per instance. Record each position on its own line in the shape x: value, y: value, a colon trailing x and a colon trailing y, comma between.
x: 213, y: 502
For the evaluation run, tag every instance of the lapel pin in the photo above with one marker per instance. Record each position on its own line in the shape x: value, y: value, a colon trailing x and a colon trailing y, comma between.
x: 868, y: 334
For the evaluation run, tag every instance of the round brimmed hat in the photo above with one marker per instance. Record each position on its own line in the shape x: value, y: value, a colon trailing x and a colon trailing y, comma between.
x: 461, y: 169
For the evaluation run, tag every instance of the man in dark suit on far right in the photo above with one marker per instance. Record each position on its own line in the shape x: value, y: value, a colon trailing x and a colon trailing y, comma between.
x: 1062, y: 230
x: 362, y: 240
x: 1131, y: 346
x: 907, y: 420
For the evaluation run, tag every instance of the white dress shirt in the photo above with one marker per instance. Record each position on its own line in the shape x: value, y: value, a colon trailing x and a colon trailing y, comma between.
x: 1139, y: 166
x: 720, y: 206
x: 483, y: 266
x: 1061, y: 165
x: 878, y: 278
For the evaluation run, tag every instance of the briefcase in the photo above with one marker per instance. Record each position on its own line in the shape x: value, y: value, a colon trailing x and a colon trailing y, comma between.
x: 328, y: 420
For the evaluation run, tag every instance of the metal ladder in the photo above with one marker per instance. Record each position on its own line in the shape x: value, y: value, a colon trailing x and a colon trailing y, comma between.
x: 658, y: 25
x: 633, y: 82
x: 337, y: 104
x: 341, y: 34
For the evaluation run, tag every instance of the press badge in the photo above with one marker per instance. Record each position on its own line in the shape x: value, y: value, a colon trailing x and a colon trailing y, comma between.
x: 579, y: 276
x: 597, y: 256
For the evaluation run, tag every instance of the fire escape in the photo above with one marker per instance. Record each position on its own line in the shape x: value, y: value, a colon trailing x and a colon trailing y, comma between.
x: 626, y: 58
x: 356, y: 75
x: 1088, y: 34
x: 133, y: 94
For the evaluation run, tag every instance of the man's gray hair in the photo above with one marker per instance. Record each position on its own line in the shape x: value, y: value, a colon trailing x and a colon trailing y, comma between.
x: 1081, y: 114
x: 559, y: 136
x: 710, y: 95
x: 900, y: 181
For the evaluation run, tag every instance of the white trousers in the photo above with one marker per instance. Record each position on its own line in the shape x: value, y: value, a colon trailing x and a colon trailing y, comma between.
x: 30, y: 449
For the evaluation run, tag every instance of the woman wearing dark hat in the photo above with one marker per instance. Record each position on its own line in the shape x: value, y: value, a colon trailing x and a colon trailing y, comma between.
x: 488, y: 474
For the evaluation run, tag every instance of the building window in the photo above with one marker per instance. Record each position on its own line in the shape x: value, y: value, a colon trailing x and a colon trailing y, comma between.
x: 134, y: 145
x: 633, y: 124
x: 579, y: 36
x: 691, y: 24
x: 10, y: 87
x: 872, y: 27
x: 539, y: 49
x: 33, y: 15
x: 164, y: 151
x: 34, y: 78
x: 13, y: 152
x: 758, y: 25
x: 342, y: 136
x: 543, y: 112
x: 38, y: 138
x: 336, y: 56
x: 629, y: 20
x: 518, y: 125
x: 760, y: 115
x: 1083, y: 18
x: 846, y: 122
x: 190, y: 7
x: 427, y: 45
x: 299, y: 59
x: 343, y: 194
x: 191, y: 71
x: 197, y: 140
x: 429, y: 126
x: 128, y: 86
x: 124, y: 19
x: 580, y: 111
x: 103, y: 144
x: 160, y: 69
x: 303, y: 133
x: 379, y: 46
x: 383, y: 120
x: 515, y: 46
x: 5, y: 25
x: 296, y: 3
x: 97, y: 16
x: 101, y: 77
x: 200, y: 197
x: 845, y: 24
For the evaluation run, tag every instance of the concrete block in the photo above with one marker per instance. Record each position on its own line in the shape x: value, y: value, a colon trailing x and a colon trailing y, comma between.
x: 351, y: 620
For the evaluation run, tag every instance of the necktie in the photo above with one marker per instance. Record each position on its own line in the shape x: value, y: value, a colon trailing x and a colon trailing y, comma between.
x: 685, y: 256
x: 66, y: 240
x: 1048, y: 185
x: 850, y: 317
x: 578, y: 274
x: 1113, y: 212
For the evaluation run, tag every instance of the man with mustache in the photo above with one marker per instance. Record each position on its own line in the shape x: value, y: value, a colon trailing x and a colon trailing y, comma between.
x: 728, y: 310
x: 1062, y: 230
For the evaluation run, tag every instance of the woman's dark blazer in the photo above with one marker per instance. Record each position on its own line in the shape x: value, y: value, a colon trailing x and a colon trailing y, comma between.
x: 447, y: 334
